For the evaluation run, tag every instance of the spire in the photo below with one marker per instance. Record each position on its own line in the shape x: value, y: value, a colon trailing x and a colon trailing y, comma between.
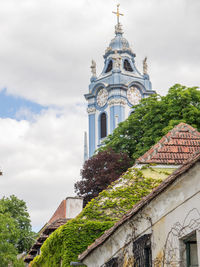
x: 118, y: 27
x: 118, y: 14
x: 85, y: 147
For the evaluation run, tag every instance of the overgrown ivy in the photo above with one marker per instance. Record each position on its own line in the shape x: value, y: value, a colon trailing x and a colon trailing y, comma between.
x: 68, y: 241
x: 112, y: 203
x: 71, y: 239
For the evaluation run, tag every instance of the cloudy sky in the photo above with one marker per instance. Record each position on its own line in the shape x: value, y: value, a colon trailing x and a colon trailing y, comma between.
x: 45, y: 53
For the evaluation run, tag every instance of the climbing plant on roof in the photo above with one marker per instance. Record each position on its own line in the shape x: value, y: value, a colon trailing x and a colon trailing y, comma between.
x: 100, y: 214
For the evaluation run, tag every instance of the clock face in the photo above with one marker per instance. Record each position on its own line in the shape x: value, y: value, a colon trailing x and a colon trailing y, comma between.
x: 134, y: 95
x: 102, y: 97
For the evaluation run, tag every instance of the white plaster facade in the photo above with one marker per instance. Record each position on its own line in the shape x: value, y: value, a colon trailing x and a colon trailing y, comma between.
x: 171, y: 218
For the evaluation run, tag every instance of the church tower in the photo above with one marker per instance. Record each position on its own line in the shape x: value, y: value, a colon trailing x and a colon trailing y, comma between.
x: 116, y: 90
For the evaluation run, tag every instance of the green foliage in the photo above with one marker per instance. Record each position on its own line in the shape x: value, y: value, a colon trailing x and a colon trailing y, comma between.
x: 153, y: 118
x: 15, y: 230
x: 17, y: 210
x: 68, y: 241
x: 9, y: 235
x: 113, y: 203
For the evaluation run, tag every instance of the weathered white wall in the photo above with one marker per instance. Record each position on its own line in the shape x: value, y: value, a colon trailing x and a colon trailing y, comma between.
x: 172, y: 215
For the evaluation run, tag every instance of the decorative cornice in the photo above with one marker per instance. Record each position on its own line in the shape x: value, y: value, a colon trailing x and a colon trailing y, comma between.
x: 118, y: 29
x: 91, y: 110
x: 117, y: 101
x: 108, y: 49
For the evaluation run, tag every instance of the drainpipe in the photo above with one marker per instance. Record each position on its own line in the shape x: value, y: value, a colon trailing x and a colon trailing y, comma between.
x: 72, y: 263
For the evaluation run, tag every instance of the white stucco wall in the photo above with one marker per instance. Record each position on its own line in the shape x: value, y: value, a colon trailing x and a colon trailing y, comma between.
x: 74, y: 206
x: 171, y: 216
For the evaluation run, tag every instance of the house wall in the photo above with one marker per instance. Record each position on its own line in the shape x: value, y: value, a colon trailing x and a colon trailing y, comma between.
x: 169, y: 218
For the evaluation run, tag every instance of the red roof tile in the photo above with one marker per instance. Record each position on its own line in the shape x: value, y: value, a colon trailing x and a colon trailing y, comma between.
x: 60, y: 213
x: 175, y: 147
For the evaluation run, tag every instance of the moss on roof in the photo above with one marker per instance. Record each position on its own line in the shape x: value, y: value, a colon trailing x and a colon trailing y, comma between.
x: 100, y: 214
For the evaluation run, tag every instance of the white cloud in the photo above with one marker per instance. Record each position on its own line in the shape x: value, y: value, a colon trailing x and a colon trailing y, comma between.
x: 41, y: 160
x: 46, y: 46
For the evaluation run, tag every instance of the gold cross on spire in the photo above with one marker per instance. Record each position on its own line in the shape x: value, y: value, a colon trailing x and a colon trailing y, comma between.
x: 117, y: 13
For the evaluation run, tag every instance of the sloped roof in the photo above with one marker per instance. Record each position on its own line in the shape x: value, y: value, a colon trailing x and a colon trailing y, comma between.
x: 49, y: 228
x: 141, y: 204
x: 176, y: 147
x: 60, y: 212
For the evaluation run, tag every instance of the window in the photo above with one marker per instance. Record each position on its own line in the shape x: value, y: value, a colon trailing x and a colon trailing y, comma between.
x: 109, y: 67
x: 127, y: 66
x: 103, y: 125
x: 112, y: 263
x: 142, y: 251
x: 191, y: 251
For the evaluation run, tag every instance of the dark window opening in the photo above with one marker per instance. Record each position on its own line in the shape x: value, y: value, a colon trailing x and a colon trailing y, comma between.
x: 127, y: 66
x: 142, y: 251
x: 112, y: 263
x: 191, y: 251
x: 103, y: 125
x: 109, y: 67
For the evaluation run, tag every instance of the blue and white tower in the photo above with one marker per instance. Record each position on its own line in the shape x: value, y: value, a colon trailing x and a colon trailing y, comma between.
x: 119, y: 87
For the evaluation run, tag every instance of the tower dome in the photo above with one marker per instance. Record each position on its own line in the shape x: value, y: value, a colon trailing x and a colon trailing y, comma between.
x: 119, y: 42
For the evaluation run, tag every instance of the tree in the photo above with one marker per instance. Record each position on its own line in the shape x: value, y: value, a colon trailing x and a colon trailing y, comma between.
x: 9, y: 234
x: 153, y: 118
x: 15, y: 230
x: 99, y: 171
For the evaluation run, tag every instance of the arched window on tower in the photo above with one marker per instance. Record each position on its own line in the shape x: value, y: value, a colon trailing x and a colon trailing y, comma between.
x: 103, y: 125
x: 109, y: 67
x: 127, y: 66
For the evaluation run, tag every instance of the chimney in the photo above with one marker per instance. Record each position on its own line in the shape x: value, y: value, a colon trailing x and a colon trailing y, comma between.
x: 74, y: 206
x: 69, y: 208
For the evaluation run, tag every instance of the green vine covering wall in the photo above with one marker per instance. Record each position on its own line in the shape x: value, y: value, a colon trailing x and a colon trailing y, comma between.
x: 71, y: 239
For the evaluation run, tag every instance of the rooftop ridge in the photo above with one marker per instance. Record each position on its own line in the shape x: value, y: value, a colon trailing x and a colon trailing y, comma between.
x: 175, y: 147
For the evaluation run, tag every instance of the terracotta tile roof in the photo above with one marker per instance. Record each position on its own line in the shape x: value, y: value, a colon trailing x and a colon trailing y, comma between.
x: 60, y: 212
x: 48, y: 229
x: 37, y: 245
x: 33, y: 251
x: 29, y: 258
x: 53, y: 226
x: 141, y: 204
x: 175, y: 147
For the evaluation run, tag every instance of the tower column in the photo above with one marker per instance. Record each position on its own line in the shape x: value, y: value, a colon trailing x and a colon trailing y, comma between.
x: 117, y: 112
x: 92, y: 143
